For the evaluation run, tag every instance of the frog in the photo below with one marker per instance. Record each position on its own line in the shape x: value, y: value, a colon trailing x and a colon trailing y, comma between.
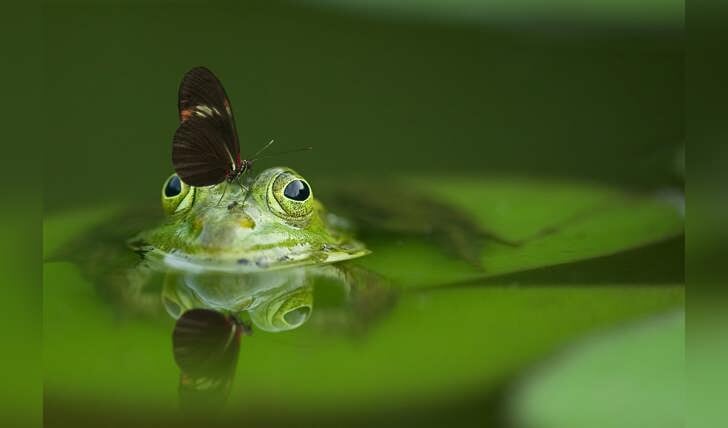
x: 239, y: 248
x: 238, y: 259
x: 253, y: 249
x: 271, y: 222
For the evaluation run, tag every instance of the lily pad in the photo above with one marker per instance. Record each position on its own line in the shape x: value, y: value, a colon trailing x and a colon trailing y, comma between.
x: 632, y: 377
x: 554, y: 223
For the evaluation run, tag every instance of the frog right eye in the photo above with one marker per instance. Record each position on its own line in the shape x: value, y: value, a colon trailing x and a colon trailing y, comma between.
x: 290, y: 196
x: 176, y: 195
x: 285, y: 312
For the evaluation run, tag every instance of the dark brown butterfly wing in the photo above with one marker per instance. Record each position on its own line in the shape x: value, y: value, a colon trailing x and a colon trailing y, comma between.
x: 199, y: 155
x: 202, y: 95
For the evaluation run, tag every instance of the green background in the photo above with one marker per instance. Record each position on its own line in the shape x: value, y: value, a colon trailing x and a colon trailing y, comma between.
x: 576, y: 92
x: 536, y: 88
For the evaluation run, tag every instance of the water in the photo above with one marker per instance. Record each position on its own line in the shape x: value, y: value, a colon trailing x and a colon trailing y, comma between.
x: 353, y: 340
x: 552, y: 138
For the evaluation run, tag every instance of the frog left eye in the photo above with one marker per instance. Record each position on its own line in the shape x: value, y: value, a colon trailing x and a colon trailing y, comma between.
x: 173, y: 187
x: 290, y: 196
x: 176, y: 195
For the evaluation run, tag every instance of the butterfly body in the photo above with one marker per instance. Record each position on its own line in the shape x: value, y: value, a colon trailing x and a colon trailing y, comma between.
x: 241, y: 166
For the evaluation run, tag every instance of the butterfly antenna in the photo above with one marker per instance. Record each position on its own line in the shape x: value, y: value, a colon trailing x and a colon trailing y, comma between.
x: 262, y: 149
x: 284, y: 153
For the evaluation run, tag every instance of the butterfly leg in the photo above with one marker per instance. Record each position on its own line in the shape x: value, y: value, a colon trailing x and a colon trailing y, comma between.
x: 243, y: 187
x: 224, y: 189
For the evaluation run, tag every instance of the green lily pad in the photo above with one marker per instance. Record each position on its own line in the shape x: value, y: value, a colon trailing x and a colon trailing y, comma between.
x: 556, y: 222
x: 632, y: 377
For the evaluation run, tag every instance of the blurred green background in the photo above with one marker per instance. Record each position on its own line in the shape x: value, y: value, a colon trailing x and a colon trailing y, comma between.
x: 579, y: 91
x: 566, y: 89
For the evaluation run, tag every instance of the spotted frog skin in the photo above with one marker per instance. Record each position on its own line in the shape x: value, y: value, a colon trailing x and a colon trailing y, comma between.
x: 272, y: 222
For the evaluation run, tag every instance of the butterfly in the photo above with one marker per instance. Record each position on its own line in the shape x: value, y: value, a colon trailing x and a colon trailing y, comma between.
x: 205, y: 147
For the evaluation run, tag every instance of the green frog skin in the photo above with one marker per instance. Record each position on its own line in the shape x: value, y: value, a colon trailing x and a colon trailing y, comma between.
x: 272, y: 222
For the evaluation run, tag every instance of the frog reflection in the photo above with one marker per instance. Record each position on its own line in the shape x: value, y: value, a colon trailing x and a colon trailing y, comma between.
x: 215, y: 310
x: 273, y: 300
x: 281, y: 300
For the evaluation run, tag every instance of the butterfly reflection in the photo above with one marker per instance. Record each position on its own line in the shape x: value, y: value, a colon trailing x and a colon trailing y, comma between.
x: 206, y: 344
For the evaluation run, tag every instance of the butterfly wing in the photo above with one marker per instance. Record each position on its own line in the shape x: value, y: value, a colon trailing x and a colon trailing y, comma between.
x: 202, y: 95
x: 199, y: 154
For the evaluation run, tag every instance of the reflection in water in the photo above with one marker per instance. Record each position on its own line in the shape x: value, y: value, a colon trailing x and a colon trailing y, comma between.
x: 205, y: 345
x: 274, y: 301
x: 211, y: 310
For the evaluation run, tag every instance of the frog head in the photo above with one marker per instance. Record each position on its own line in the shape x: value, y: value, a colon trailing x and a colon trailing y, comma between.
x: 271, y: 221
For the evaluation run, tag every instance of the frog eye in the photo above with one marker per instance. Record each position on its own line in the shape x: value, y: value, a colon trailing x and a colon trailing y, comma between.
x: 297, y: 190
x: 290, y: 196
x: 173, y: 187
x: 176, y: 195
x: 284, y: 312
x: 295, y: 317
